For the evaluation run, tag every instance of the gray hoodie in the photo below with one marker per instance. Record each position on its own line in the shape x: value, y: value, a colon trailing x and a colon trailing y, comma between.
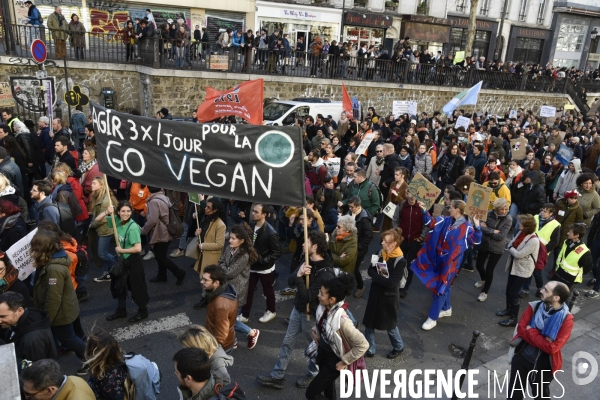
x: 568, y: 180
x: 218, y: 366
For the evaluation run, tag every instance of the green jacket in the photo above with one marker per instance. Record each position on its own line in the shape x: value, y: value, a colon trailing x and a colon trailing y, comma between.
x: 370, y: 202
x: 58, y: 30
x: 348, y: 245
x: 101, y: 227
x: 54, y: 293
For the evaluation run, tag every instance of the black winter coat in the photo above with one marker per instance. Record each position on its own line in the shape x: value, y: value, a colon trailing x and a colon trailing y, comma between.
x: 267, y: 247
x: 381, y: 312
x: 449, y: 169
x: 321, y: 271
x: 533, y: 200
x: 364, y: 226
x: 13, y: 231
x: 32, y: 337
x: 387, y: 174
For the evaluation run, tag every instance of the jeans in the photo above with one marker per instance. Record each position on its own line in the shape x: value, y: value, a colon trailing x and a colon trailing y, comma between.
x: 104, y: 252
x: 487, y: 273
x: 441, y: 302
x: 540, y: 380
x: 539, y: 281
x: 357, y: 275
x: 183, y: 240
x: 180, y: 56
x: 393, y: 334
x: 298, y: 326
x: 79, y: 53
x: 514, y: 212
x: 513, y: 286
x: 65, y: 334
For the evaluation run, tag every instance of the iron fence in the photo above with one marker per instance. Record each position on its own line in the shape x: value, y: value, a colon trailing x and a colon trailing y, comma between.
x: 168, y: 53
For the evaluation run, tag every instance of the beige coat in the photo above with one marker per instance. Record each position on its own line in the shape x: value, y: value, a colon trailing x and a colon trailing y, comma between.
x: 523, y: 257
x: 157, y: 219
x: 212, y: 247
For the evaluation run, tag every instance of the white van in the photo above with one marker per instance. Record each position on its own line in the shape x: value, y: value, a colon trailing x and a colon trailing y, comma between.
x: 283, y: 112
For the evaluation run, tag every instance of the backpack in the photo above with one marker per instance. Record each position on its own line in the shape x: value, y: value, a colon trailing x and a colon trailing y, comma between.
x: 540, y: 263
x: 67, y: 221
x: 231, y: 391
x: 174, y: 227
x: 82, y: 261
x: 145, y: 376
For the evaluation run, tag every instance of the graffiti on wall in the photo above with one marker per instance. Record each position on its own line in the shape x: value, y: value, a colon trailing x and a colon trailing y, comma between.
x: 27, y: 92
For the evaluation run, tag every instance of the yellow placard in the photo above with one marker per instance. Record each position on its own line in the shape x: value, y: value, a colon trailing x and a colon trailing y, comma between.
x: 569, y: 107
x: 218, y: 62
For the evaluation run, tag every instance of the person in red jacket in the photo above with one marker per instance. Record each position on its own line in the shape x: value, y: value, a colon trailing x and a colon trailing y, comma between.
x: 545, y: 327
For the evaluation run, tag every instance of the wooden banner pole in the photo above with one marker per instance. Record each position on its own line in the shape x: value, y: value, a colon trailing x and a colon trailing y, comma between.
x: 112, y: 216
x: 306, y: 260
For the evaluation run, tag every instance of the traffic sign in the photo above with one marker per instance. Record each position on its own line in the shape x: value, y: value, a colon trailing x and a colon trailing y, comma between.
x: 39, y: 51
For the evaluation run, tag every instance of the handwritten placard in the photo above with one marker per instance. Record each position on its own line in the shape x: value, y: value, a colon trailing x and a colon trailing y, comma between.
x: 478, y: 201
x: 364, y: 145
x: 547, y: 111
x: 518, y: 148
x: 423, y: 190
x: 462, y: 121
x: 20, y: 255
x: 218, y: 62
x: 6, y: 98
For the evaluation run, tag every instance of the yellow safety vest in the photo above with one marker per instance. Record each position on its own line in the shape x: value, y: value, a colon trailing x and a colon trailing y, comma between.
x: 571, y: 263
x: 545, y: 234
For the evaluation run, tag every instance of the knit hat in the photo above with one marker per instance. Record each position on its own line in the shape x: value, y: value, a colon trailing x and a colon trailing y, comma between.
x: 3, y: 153
x: 571, y: 194
x: 164, y: 111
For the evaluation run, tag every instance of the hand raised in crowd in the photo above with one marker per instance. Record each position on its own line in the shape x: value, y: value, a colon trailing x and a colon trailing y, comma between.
x: 422, y: 205
x: 110, y: 210
x: 304, y: 270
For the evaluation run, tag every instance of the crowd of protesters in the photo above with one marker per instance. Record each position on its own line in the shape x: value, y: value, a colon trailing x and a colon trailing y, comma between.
x: 542, y: 214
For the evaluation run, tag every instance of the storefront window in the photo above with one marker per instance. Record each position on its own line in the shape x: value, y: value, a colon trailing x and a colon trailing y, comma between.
x: 458, y: 42
x: 571, y: 37
x: 360, y: 36
x: 561, y: 62
x: 528, y: 50
x: 295, y: 29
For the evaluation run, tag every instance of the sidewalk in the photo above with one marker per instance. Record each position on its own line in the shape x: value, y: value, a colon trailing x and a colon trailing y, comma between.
x: 585, y: 337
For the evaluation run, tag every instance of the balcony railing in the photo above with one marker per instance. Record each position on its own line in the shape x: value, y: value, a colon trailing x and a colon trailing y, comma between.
x: 173, y: 54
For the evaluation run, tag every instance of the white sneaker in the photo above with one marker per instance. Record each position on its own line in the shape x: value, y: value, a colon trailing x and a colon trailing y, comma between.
x: 242, y: 319
x: 176, y: 253
x: 482, y: 296
x: 446, y: 313
x: 149, y: 256
x: 479, y: 284
x: 429, y: 324
x: 268, y: 316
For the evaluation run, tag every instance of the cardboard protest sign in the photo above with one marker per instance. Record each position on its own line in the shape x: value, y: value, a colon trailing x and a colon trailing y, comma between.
x: 245, y: 162
x: 364, y: 145
x: 564, y: 155
x: 333, y: 166
x: 512, y: 114
x: 389, y: 210
x: 547, y: 111
x: 518, y: 148
x: 423, y: 190
x: 6, y: 97
x: 569, y: 107
x: 400, y: 107
x: 462, y: 121
x: 478, y: 201
x: 20, y: 256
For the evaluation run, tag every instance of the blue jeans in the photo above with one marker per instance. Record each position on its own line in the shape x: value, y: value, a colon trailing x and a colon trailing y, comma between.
x: 441, y: 302
x: 393, y: 334
x: 298, y: 326
x: 104, y: 252
x: 66, y: 336
x: 183, y: 240
x: 514, y: 211
x: 241, y: 327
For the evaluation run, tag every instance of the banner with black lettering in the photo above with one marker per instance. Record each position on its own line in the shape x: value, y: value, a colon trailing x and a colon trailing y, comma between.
x: 244, y: 162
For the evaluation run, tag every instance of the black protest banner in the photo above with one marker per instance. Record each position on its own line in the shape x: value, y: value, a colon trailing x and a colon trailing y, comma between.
x: 243, y: 162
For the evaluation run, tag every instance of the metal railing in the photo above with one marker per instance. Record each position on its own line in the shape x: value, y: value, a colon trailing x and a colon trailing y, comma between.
x: 167, y: 53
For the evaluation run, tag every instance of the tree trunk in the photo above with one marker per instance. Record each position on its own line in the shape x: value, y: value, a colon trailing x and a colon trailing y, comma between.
x: 472, y: 27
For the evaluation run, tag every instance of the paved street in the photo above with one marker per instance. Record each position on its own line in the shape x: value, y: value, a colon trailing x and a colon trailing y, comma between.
x: 171, y: 310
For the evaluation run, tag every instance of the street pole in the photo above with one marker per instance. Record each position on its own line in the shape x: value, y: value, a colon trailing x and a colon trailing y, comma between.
x: 498, y: 50
x: 67, y: 85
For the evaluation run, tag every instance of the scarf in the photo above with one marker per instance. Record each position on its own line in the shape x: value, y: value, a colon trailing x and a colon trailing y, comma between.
x: 10, y: 276
x: 394, y: 254
x: 328, y: 321
x: 379, y: 160
x: 60, y: 18
x: 543, y: 221
x: 210, y: 296
x: 548, y: 320
x: 341, y: 236
x: 85, y: 167
x: 518, y: 239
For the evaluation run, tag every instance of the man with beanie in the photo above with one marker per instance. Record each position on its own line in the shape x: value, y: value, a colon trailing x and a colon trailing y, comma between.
x: 535, y: 195
x: 164, y: 114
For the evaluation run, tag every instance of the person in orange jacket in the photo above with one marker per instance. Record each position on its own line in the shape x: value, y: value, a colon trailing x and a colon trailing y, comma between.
x: 138, y: 195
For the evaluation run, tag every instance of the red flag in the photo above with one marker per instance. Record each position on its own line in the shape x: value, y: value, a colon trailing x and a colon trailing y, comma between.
x: 244, y: 100
x: 346, y: 102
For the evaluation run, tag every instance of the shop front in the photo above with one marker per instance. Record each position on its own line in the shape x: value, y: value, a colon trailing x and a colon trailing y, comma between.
x: 365, y: 28
x: 528, y: 45
x: 485, y: 37
x: 299, y: 21
x: 426, y: 33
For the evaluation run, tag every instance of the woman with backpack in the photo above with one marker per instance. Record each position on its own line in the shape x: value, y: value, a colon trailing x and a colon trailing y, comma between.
x: 381, y: 312
x: 129, y: 247
x: 337, y: 343
x: 109, y: 378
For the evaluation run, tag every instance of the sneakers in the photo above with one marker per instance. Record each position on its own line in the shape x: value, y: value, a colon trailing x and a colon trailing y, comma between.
x: 394, y: 353
x: 468, y: 269
x: 83, y: 371
x: 242, y: 319
x: 177, y: 253
x: 148, y: 256
x: 83, y: 297
x: 104, y: 278
x: 591, y: 282
x: 482, y: 296
x: 479, y: 284
x: 523, y: 293
x: 270, y: 381
x: 446, y: 313
x: 252, y: 340
x: 403, y: 292
x: 268, y: 316
x: 288, y: 291
x: 429, y: 324
x: 358, y: 293
x: 592, y: 294
x: 304, y: 382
